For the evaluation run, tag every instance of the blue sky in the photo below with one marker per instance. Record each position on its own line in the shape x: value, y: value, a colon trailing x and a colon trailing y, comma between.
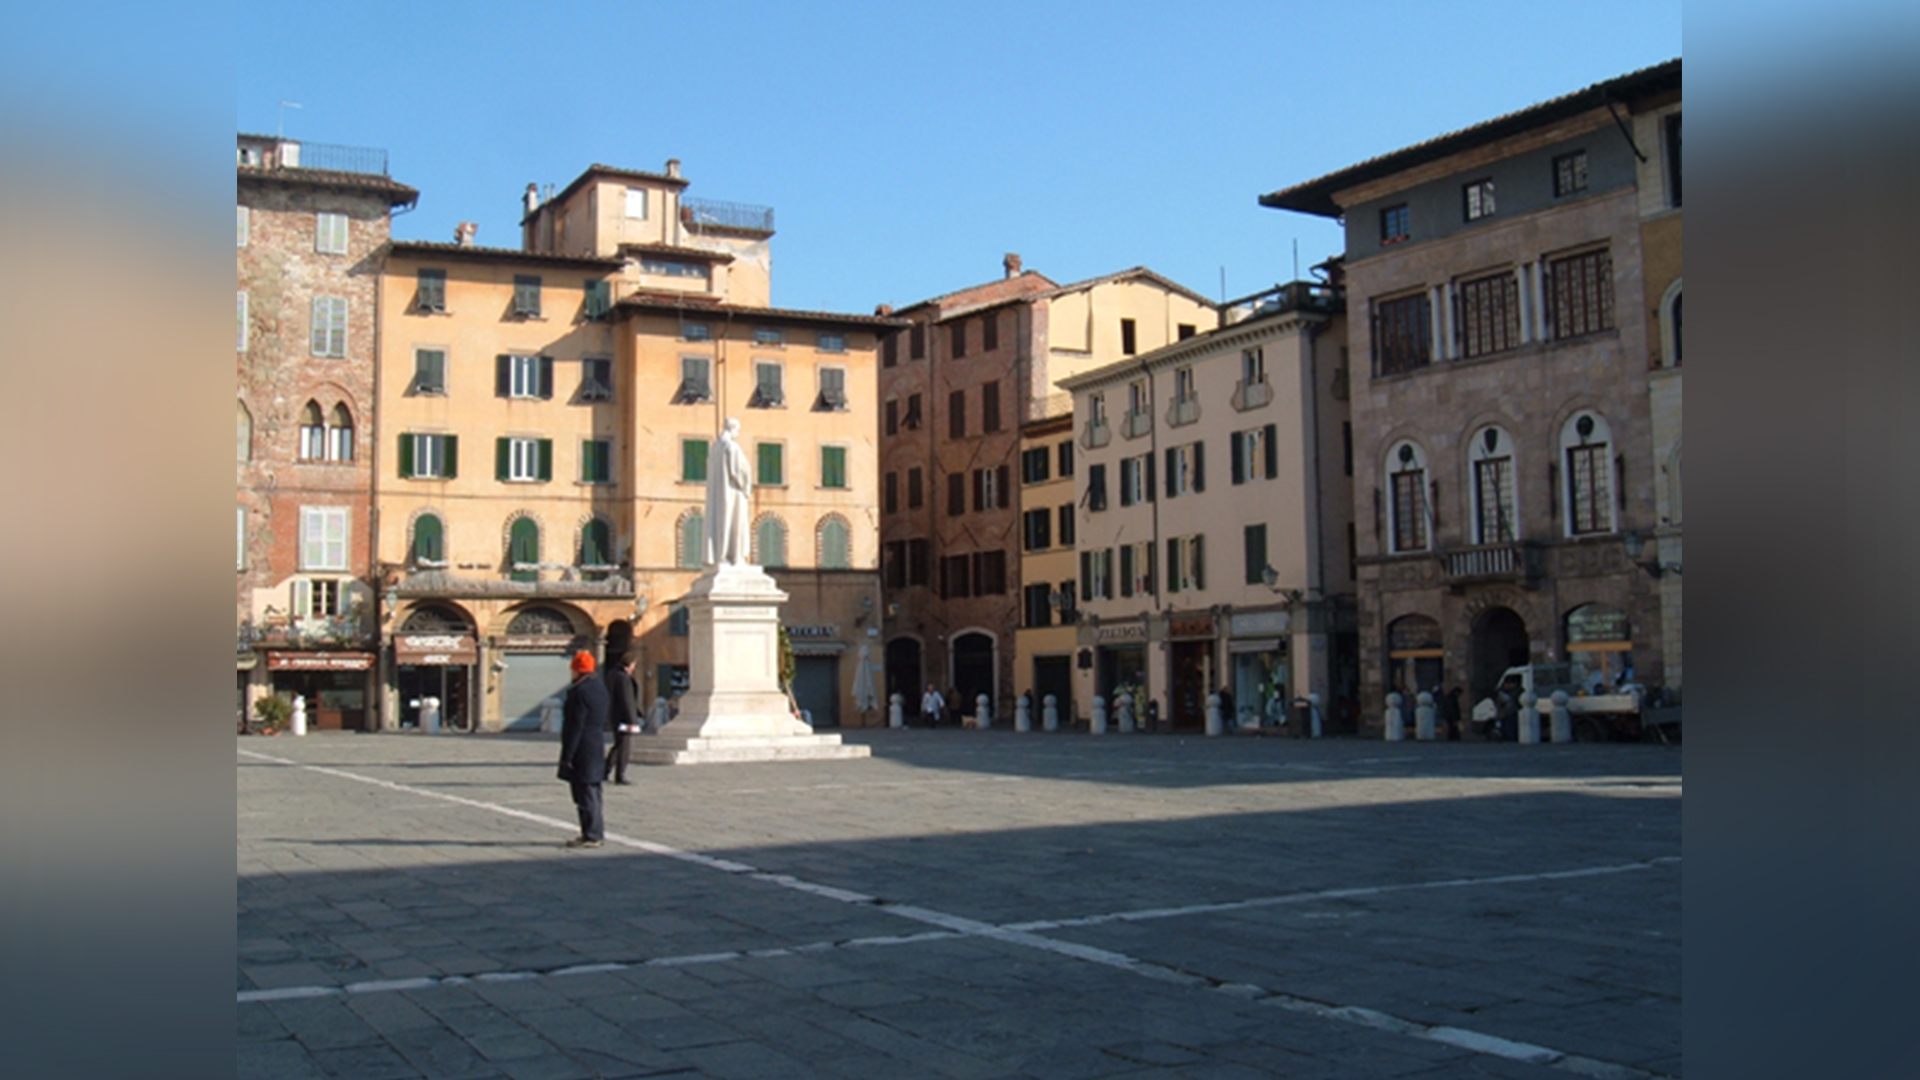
x: 906, y: 147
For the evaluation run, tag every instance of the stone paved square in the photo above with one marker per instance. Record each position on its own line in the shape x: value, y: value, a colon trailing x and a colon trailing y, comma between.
x: 963, y: 904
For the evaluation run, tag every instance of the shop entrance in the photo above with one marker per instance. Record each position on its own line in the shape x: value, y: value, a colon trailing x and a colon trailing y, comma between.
x: 903, y: 674
x: 1192, y: 682
x: 1122, y: 669
x: 1053, y: 675
x: 1260, y: 683
x: 1499, y: 642
x: 338, y: 699
x: 972, y: 672
x: 1416, y: 660
x: 421, y: 681
x: 816, y: 689
x: 1599, y: 647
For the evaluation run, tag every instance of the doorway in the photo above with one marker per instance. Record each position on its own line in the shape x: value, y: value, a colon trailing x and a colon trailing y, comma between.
x: 903, y: 674
x: 447, y: 682
x: 1053, y: 675
x: 1499, y: 642
x: 1192, y: 681
x: 973, y: 672
x: 816, y: 688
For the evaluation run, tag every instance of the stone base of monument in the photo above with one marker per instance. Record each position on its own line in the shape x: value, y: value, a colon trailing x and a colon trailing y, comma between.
x: 734, y: 709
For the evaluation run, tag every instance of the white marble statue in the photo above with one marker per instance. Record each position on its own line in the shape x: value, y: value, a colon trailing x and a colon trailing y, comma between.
x: 729, y: 483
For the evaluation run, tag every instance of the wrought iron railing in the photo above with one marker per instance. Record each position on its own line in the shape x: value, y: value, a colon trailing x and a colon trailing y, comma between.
x: 726, y: 215
x: 354, y: 159
x: 1511, y: 561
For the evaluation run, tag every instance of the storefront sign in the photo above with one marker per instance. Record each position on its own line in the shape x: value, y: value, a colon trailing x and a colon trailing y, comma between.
x: 823, y: 631
x: 1597, y: 622
x: 1254, y: 645
x: 1191, y: 626
x: 434, y: 649
x: 1123, y: 632
x: 319, y: 661
x: 1258, y: 622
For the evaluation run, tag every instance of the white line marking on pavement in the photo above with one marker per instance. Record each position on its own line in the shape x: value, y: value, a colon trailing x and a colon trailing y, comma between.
x: 1016, y: 934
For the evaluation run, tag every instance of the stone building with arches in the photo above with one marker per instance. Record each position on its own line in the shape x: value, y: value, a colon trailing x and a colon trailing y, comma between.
x: 1514, y: 297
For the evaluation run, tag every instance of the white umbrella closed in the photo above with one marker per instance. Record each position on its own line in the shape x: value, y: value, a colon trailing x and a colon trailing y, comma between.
x: 864, y: 697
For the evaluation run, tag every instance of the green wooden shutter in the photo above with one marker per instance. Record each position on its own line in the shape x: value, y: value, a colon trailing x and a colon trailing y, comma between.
x: 1126, y: 570
x: 1256, y: 542
x: 453, y: 455
x: 1173, y: 470
x: 1173, y: 564
x: 503, y: 376
x: 1147, y: 461
x: 428, y: 537
x: 1199, y: 466
x: 1086, y: 575
x: 546, y: 459
x: 1237, y: 444
x: 693, y: 460
x: 1273, y: 451
x: 1199, y: 562
x: 502, y: 458
x: 546, y: 377
x: 406, y: 456
x: 1146, y: 572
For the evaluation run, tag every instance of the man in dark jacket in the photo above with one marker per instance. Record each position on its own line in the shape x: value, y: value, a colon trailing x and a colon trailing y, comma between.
x: 583, y: 748
x: 623, y: 710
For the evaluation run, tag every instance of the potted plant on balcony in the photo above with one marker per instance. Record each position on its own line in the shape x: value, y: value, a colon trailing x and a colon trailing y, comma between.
x: 274, y: 712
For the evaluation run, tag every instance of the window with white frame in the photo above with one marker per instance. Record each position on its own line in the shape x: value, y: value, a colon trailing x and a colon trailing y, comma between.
x: 1407, y: 514
x: 1184, y: 389
x: 340, y: 434
x: 240, y: 315
x: 527, y: 376
x: 1253, y: 366
x: 330, y: 233
x: 323, y: 537
x: 1096, y: 409
x: 525, y: 458
x: 1255, y: 454
x: 637, y: 203
x: 1478, y: 197
x: 1586, y: 445
x: 316, y: 598
x: 1138, y: 403
x: 1186, y: 563
x: 1494, y: 517
x: 428, y: 456
x: 1186, y: 469
x: 833, y: 343
x: 1136, y: 479
x: 330, y: 326
x: 1136, y: 569
x: 313, y: 433
x: 1096, y: 574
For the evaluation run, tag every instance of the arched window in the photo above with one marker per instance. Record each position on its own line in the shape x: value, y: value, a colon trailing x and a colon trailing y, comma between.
x: 1495, y: 519
x: 313, y: 433
x: 1407, y: 514
x: 539, y: 622
x: 1587, y: 489
x: 690, y: 538
x: 770, y: 541
x: 429, y: 541
x: 523, y: 550
x: 243, y: 433
x: 1670, y: 326
x: 596, y: 550
x: 835, y: 543
x: 340, y: 434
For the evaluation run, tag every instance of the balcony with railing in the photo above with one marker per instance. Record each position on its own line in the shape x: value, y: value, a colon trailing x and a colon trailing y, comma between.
x: 1512, y: 562
x: 714, y: 214
x: 1252, y: 395
x: 1135, y: 424
x: 1183, y: 411
x: 1096, y: 434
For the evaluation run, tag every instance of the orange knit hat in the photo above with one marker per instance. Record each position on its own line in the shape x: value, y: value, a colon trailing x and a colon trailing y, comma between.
x: 583, y: 663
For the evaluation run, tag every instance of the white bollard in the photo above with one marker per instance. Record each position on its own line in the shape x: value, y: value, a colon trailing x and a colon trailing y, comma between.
x: 1214, y: 726
x: 1529, y: 717
x: 298, y: 722
x: 1423, y: 715
x: 1023, y: 713
x: 1396, y: 721
x: 657, y: 719
x: 896, y: 712
x: 982, y: 712
x: 1313, y: 702
x: 430, y: 715
x: 1562, y: 718
x: 1123, y: 708
x: 1097, y: 720
x: 1050, y: 713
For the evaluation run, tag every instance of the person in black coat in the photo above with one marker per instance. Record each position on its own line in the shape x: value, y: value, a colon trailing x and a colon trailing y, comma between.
x: 623, y: 696
x: 583, y: 748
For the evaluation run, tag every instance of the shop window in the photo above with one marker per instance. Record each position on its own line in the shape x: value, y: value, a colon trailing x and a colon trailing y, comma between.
x: 1599, y: 648
x: 1415, y: 655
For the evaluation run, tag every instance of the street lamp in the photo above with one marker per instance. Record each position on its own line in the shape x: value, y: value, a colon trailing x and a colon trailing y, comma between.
x: 1633, y: 545
x: 1272, y: 578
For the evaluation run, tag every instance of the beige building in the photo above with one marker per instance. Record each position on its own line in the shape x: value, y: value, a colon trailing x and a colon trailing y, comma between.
x: 545, y: 415
x: 956, y: 386
x: 1046, y: 644
x: 1215, y: 515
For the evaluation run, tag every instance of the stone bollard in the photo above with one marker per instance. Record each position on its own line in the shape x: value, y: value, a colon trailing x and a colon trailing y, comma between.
x: 1214, y: 726
x: 1023, y: 713
x: 1313, y: 703
x: 896, y: 712
x: 1562, y: 718
x: 658, y: 717
x: 982, y: 712
x: 297, y: 723
x: 430, y: 715
x: 1529, y: 717
x: 1123, y: 709
x: 1396, y: 720
x: 1423, y: 715
x: 1097, y: 720
x: 1050, y: 713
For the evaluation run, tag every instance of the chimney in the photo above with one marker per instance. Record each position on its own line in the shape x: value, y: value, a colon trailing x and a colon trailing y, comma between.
x: 532, y: 198
x: 883, y: 310
x: 463, y: 233
x: 673, y: 167
x: 1012, y: 264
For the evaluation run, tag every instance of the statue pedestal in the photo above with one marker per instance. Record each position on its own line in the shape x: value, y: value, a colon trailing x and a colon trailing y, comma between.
x: 734, y: 709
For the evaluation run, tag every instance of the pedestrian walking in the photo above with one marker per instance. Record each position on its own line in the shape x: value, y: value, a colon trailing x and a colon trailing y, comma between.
x: 583, y: 748
x: 1450, y: 711
x: 932, y: 706
x: 623, y: 711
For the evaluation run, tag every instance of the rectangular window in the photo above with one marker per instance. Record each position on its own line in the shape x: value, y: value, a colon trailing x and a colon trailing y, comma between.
x: 890, y: 351
x: 1186, y: 563
x: 429, y: 457
x: 833, y: 467
x: 524, y: 377
x: 990, y: 407
x: 1487, y: 314
x: 1138, y: 404
x: 323, y: 537
x: 674, y: 268
x: 430, y: 290
x: 911, y: 421
x: 316, y: 598
x: 1395, y: 224
x: 524, y: 460
x: 956, y: 572
x: 917, y: 562
x: 330, y: 326
x: 1096, y: 488
x: 240, y: 313
x: 330, y: 234
x: 770, y: 464
x: 695, y: 386
x: 1136, y: 569
x: 1673, y: 159
x: 1036, y: 608
x: 679, y: 620
x: 893, y: 418
x: 916, y: 493
x: 990, y: 488
x: 990, y: 573
x: 693, y: 460
x: 597, y: 299
x: 1136, y: 480
x: 243, y: 220
x: 1128, y: 343
x: 1477, y: 198
x: 596, y: 461
x: 696, y: 331
x: 1589, y: 491
x: 1570, y: 173
x: 1186, y: 469
x: 917, y: 342
x: 596, y: 380
x: 1253, y: 366
x: 893, y: 564
x: 637, y: 203
x: 769, y: 335
x: 769, y: 385
x: 1402, y: 334
x: 1066, y: 526
x: 957, y: 415
x: 1066, y: 458
x: 526, y: 295
x: 1410, y: 510
x: 1096, y: 574
x: 834, y: 343
x: 833, y: 390
x: 956, y: 494
x: 1034, y: 465
x: 957, y: 338
x: 990, y: 331
x: 1037, y: 529
x: 890, y: 493
x: 1254, y: 538
x: 1096, y: 409
x: 1493, y: 490
x: 1185, y: 330
x: 1580, y: 293
x: 1255, y: 454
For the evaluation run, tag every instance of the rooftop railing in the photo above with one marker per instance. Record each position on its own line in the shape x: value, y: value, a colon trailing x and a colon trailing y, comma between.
x: 726, y: 215
x: 331, y: 156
